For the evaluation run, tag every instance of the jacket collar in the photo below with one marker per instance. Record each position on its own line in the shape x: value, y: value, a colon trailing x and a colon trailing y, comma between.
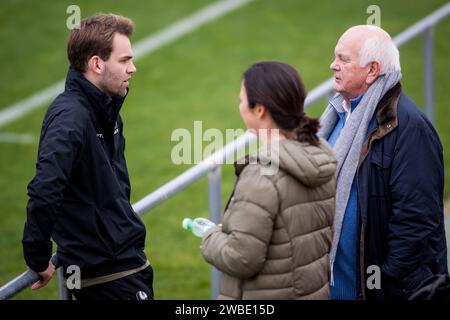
x: 386, y: 116
x: 338, y: 101
x: 102, y: 104
x: 240, y: 165
x: 387, y: 111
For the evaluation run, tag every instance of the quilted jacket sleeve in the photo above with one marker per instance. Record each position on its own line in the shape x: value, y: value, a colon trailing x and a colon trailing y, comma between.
x: 240, y: 247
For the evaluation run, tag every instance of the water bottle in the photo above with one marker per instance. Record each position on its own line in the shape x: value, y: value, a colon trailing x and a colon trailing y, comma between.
x: 198, y: 226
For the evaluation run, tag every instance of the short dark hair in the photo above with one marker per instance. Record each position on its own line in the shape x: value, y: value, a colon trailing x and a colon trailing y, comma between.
x: 95, y: 36
x: 278, y: 87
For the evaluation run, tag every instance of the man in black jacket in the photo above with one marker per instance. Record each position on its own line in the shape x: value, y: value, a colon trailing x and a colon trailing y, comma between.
x: 80, y: 195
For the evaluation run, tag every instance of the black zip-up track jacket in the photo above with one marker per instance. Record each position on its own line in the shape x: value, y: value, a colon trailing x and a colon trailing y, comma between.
x: 80, y: 195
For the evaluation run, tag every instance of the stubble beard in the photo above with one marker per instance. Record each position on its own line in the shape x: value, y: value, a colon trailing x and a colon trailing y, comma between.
x: 111, y: 85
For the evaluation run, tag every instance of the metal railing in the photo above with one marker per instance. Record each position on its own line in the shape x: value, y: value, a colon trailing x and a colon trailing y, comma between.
x: 212, y: 165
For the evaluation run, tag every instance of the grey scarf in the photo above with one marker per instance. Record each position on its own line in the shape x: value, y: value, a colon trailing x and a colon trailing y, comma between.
x: 348, y: 146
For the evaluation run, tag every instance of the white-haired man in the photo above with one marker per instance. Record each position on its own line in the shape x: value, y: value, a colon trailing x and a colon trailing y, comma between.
x: 389, y: 228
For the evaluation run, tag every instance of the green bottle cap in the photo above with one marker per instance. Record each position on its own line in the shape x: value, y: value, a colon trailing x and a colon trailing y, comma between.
x: 187, y: 223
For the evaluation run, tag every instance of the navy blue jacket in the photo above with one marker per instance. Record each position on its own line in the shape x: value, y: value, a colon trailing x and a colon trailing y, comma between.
x: 80, y: 195
x: 400, y: 183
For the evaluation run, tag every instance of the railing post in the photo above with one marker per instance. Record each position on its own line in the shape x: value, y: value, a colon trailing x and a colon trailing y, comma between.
x: 215, y: 209
x: 429, y: 74
x: 63, y: 292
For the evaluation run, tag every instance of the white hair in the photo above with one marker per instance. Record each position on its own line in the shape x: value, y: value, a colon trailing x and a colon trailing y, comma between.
x: 383, y: 50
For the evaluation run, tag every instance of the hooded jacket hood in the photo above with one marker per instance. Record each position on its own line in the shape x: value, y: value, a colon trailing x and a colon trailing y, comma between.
x: 312, y: 165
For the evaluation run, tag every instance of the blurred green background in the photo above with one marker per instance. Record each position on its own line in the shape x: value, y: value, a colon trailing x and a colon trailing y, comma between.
x: 196, y: 77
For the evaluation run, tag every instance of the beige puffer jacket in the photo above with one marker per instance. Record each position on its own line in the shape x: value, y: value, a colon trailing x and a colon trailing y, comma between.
x: 276, y: 231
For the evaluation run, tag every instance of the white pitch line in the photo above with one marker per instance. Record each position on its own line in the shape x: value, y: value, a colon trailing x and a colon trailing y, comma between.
x: 142, y: 48
x: 8, y: 137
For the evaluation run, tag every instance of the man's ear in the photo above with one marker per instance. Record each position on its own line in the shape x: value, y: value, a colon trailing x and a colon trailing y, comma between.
x: 374, y: 72
x: 96, y: 65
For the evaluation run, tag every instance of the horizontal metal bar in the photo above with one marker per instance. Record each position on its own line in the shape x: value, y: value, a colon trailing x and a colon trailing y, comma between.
x: 17, y: 284
x: 319, y: 92
x: 22, y: 281
x: 192, y: 174
x: 419, y: 27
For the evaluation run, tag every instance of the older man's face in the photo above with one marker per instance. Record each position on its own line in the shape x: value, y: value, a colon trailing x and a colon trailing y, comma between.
x: 349, y: 77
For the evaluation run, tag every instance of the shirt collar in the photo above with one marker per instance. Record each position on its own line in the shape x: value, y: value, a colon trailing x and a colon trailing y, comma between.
x: 338, y: 101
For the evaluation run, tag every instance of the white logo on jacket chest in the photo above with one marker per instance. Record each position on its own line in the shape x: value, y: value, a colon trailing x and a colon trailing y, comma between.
x: 116, y: 131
